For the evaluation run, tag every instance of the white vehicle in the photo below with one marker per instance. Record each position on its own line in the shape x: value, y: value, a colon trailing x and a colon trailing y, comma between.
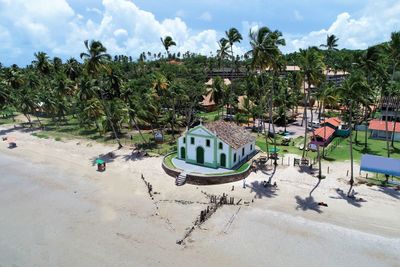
x: 314, y: 125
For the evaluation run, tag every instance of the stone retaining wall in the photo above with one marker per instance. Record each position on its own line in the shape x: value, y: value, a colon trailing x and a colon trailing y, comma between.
x: 199, y: 179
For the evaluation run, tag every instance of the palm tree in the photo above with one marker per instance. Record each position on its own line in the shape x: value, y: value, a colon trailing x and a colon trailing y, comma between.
x: 331, y: 42
x: 394, y: 50
x: 96, y: 60
x: 222, y: 52
x: 42, y: 63
x: 217, y: 92
x: 352, y: 93
x: 312, y: 67
x: 95, y: 57
x: 266, y: 55
x: 233, y: 36
x: 370, y: 64
x: 167, y: 42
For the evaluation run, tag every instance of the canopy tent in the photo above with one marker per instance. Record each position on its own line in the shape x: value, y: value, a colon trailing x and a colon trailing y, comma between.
x: 99, y: 161
x: 273, y: 150
x: 377, y: 164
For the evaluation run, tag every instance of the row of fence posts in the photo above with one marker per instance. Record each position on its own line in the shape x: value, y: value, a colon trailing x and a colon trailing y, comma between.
x: 149, y: 186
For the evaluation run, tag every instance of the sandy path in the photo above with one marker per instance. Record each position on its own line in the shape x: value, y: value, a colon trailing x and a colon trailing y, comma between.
x: 56, y: 210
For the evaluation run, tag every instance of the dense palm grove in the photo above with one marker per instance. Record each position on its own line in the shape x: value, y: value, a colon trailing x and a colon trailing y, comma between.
x: 163, y: 91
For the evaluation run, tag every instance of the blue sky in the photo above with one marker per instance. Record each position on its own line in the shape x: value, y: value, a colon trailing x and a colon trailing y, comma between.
x: 59, y: 27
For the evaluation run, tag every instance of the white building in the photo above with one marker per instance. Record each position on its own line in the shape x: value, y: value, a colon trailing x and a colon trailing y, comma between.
x: 217, y: 144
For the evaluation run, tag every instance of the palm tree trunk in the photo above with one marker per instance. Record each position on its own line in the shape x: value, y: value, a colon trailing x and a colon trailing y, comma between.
x: 387, y: 130
x: 140, y: 132
x: 271, y: 120
x: 29, y: 119
x: 305, y: 119
x: 351, y: 150
x: 394, y: 122
x: 366, y: 129
x: 110, y: 121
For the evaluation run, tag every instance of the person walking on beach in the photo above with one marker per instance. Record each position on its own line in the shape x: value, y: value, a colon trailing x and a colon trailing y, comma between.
x: 244, y: 182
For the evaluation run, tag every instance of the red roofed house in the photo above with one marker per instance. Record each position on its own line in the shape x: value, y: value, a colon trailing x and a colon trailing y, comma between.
x: 332, y: 122
x: 322, y: 136
x: 378, y: 129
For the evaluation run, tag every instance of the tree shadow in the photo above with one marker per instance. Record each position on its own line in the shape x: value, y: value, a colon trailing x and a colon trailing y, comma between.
x: 307, y: 169
x: 135, y: 156
x: 354, y: 201
x: 392, y: 192
x: 307, y: 203
x: 262, y: 191
x: 108, y: 157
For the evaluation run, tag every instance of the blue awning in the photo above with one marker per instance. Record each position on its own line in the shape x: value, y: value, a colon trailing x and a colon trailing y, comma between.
x: 377, y: 164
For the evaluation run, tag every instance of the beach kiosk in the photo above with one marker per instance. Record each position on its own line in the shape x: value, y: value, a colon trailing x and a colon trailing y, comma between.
x: 101, y: 165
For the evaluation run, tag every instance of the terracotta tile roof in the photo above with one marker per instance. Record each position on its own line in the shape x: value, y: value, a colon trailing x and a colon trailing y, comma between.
x: 380, y: 125
x: 210, y: 82
x: 324, y: 132
x: 207, y: 99
x: 333, y: 121
x: 230, y: 133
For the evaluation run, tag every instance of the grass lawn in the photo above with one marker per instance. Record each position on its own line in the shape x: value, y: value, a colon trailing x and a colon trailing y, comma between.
x: 210, y: 116
x: 168, y: 160
x: 375, y: 147
x: 340, y: 152
x: 7, y: 119
x: 242, y: 168
x: 72, y: 130
x: 290, y: 149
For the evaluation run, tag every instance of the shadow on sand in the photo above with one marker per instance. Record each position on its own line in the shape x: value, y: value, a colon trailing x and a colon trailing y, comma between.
x: 261, y: 191
x: 354, y: 201
x: 108, y: 157
x: 307, y: 203
x: 308, y: 170
x: 135, y: 156
x: 388, y: 191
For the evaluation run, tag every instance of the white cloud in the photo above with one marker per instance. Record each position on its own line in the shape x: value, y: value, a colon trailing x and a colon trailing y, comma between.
x: 206, y: 16
x: 373, y: 25
x: 94, y: 10
x: 124, y: 28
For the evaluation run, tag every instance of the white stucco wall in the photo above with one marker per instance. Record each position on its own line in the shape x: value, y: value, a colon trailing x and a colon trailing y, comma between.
x: 225, y: 150
x: 200, y: 141
x: 248, y: 149
x: 209, y: 154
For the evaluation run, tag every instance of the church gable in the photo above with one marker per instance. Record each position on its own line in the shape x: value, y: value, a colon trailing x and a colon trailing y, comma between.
x: 200, y: 130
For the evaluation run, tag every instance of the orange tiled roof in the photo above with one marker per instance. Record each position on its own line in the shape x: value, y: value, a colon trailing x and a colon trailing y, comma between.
x: 324, y: 132
x: 333, y: 121
x: 380, y: 125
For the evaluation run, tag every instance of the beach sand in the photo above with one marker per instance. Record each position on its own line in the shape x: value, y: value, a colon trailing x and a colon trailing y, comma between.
x: 57, y: 210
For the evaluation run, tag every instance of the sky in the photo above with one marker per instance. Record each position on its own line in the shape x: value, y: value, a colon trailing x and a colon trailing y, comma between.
x: 59, y: 27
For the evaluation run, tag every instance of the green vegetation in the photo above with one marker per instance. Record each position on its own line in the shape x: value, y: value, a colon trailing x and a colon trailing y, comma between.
x: 241, y: 169
x: 168, y: 160
x: 209, y: 116
x: 290, y: 149
x: 375, y: 147
x: 41, y: 135
x: 117, y: 99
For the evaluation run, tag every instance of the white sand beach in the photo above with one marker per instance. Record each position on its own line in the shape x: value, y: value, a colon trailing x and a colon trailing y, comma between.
x: 57, y: 210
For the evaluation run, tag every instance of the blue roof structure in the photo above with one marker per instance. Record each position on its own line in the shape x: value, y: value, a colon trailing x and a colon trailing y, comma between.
x: 377, y: 164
